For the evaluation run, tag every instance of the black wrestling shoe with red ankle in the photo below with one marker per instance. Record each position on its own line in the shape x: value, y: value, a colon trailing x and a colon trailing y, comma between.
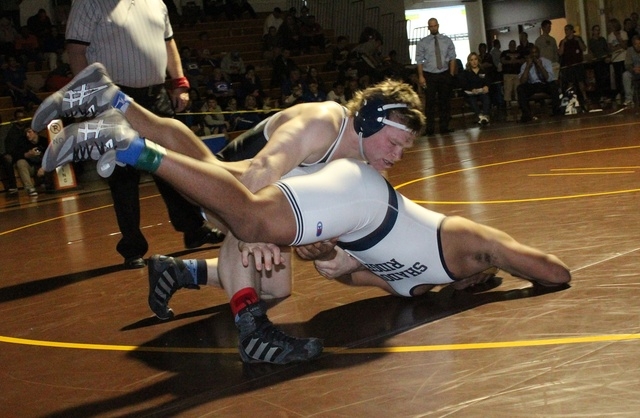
x: 262, y: 342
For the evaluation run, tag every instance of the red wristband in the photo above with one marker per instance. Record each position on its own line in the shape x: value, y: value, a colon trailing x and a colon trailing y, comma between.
x: 181, y: 82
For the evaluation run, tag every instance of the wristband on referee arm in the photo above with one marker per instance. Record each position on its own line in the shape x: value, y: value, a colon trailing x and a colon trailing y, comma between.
x: 180, y: 82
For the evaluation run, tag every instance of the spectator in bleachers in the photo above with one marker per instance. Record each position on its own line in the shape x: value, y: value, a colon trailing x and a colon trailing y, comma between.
x: 291, y: 35
x: 235, y: 9
x: 511, y: 60
x: 392, y: 68
x: 475, y: 83
x: 219, y: 86
x: 282, y: 66
x: 618, y: 43
x: 8, y: 35
x: 207, y: 59
x: 53, y: 47
x: 27, y: 158
x: 599, y: 49
x: 629, y: 26
x: 312, y: 76
x: 213, y: 120
x: 274, y: 19
x: 27, y: 48
x: 251, y: 85
x: 270, y: 42
x: 231, y: 113
x: 295, y: 79
x: 631, y: 77
x: 368, y: 56
x: 214, y: 8
x: 536, y: 76
x: 190, y: 66
x: 250, y: 115
x: 351, y: 88
x: 336, y: 94
x: 40, y: 24
x: 233, y: 67
x: 339, y: 55
x: 312, y: 34
x: 313, y: 93
x: 548, y: 46
x: 15, y: 76
x: 571, y: 51
x: 294, y: 97
x: 58, y: 77
x: 524, y: 47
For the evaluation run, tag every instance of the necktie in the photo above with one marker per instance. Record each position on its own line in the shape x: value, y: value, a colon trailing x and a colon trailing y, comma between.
x: 438, y: 53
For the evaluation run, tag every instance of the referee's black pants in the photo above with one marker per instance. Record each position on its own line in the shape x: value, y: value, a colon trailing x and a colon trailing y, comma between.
x: 125, y: 193
x: 438, y: 93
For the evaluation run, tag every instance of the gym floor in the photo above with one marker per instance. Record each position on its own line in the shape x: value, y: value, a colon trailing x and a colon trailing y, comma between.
x: 78, y: 339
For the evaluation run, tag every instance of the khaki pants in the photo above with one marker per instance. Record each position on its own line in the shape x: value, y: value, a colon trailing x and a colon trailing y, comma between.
x: 511, y: 83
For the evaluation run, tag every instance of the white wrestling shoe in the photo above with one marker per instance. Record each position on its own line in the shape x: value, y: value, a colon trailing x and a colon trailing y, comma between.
x: 91, y: 140
x: 90, y: 93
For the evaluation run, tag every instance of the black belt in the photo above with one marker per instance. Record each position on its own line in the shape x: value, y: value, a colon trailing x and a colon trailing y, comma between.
x: 427, y: 72
x: 142, y: 91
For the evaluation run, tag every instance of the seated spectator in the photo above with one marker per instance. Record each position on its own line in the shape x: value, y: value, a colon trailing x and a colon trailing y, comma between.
x: 251, y: 85
x: 313, y: 93
x: 511, y: 60
x: 337, y: 93
x: 207, y: 59
x: 475, y: 83
x: 291, y: 35
x: 631, y: 77
x: 270, y: 42
x: 236, y: 8
x: 40, y: 24
x: 339, y: 55
x: 537, y: 76
x: 351, y: 88
x: 15, y: 77
x: 312, y: 34
x: 275, y: 19
x: 53, y: 47
x: 571, y: 51
x: 213, y: 8
x: 491, y: 72
x: 27, y: 157
x: 190, y: 66
x: 219, y: 86
x: 231, y: 113
x: 213, y: 120
x: 629, y: 26
x: 58, y: 77
x: 27, y: 49
x: 233, y: 66
x: 294, y: 80
x: 282, y: 66
x: 8, y: 35
x: 312, y: 75
x: 368, y: 57
x: 294, y: 97
x: 249, y: 117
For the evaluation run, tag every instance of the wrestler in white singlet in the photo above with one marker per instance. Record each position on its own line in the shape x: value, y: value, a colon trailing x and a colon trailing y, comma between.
x: 393, y: 237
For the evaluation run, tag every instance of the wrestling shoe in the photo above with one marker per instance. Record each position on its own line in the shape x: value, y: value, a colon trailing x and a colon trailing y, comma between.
x: 262, y: 342
x: 90, y: 93
x: 89, y: 140
x: 166, y: 275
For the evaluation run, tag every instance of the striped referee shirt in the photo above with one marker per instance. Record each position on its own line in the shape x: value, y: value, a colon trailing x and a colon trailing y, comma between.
x: 128, y: 36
